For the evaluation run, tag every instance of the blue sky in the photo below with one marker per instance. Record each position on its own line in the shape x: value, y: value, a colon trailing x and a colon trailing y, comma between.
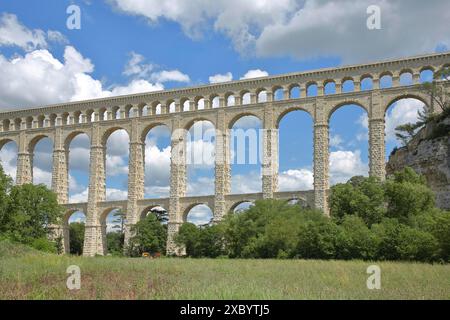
x: 129, y: 46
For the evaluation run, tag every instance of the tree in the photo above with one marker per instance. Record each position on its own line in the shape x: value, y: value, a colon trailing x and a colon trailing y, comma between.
x: 360, y: 196
x: 407, y: 195
x: 207, y: 241
x: 114, y: 243
x: 76, y: 238
x: 119, y: 220
x: 5, y: 187
x: 32, y: 209
x: 149, y: 236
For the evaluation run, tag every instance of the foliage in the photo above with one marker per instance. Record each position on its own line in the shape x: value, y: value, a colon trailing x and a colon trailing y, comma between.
x: 114, y: 243
x: 150, y: 235
x: 363, y: 197
x: 206, y: 242
x: 76, y: 237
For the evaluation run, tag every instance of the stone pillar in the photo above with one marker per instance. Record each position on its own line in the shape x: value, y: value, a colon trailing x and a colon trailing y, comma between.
x: 136, y: 177
x: 24, y: 162
x: 270, y: 155
x: 177, y: 185
x: 321, y: 164
x: 222, y: 167
x: 377, y: 150
x: 60, y: 173
x: 93, y: 242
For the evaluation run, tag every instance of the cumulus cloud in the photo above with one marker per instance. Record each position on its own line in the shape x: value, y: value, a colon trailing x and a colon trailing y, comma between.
x: 404, y: 111
x: 256, y: 73
x: 200, y: 215
x: 170, y: 75
x: 296, y: 180
x: 218, y: 78
x: 306, y: 29
x: 14, y: 33
x: 346, y: 164
x: 113, y: 194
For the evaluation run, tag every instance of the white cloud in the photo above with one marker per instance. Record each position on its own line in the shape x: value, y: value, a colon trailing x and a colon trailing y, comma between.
x: 13, y: 33
x: 113, y: 194
x: 306, y: 29
x: 81, y: 197
x: 218, y: 78
x: 336, y: 141
x: 256, y: 73
x: 296, y: 180
x: 246, y: 183
x: 8, y: 159
x: 346, y: 164
x: 136, y: 67
x: 170, y: 75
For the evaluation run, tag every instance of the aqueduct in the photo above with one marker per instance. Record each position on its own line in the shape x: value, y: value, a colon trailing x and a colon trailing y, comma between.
x: 139, y: 113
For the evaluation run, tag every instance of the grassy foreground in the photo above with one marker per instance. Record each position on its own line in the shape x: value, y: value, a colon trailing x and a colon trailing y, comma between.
x: 28, y: 274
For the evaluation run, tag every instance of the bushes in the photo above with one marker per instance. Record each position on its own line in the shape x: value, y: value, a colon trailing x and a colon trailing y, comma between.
x: 150, y: 236
x: 371, y: 220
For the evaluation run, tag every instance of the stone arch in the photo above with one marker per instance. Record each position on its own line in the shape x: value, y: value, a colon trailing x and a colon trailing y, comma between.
x: 191, y: 122
x: 185, y: 104
x: 277, y: 93
x: 366, y: 80
x: 34, y: 140
x: 151, y: 126
x: 109, y: 131
x: 149, y: 209
x: 259, y: 94
x: 329, y: 84
x: 406, y: 75
x: 346, y: 103
x: 189, y: 208
x: 5, y: 141
x: 347, y: 82
x: 6, y: 125
x: 241, y: 115
x: 289, y: 110
x: 418, y: 96
x: 310, y: 87
x: 66, y: 228
x: 17, y: 124
x: 68, y: 138
x: 238, y: 203
x: 198, y: 102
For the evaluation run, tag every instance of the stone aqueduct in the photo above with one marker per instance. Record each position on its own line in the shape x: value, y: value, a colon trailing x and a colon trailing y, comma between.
x: 137, y: 114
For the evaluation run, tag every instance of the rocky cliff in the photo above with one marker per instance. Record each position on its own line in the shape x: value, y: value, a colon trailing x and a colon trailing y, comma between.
x: 428, y: 153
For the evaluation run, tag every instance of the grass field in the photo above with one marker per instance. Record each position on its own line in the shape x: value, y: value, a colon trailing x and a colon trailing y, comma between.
x: 28, y: 274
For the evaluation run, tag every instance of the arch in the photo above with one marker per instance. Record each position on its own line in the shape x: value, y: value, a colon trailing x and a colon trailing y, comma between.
x: 102, y: 114
x: 157, y: 139
x: 426, y: 74
x: 72, y: 135
x: 294, y: 91
x: 311, y: 89
x: 348, y: 142
x: 5, y: 141
x: 278, y: 93
x: 236, y: 118
x: 36, y: 139
x: 423, y: 99
x: 261, y: 95
x: 185, y: 104
x: 289, y: 110
x: 202, y: 217
x: 386, y: 80
x: 150, y: 127
x: 144, y: 213
x: 245, y: 96
x: 77, y: 146
x: 90, y: 116
x: 346, y: 103
x: 67, y: 236
x: 348, y: 85
x: 234, y: 206
x: 329, y: 87
x: 41, y: 120
x: 115, y: 112
x: 199, y: 103
x: 17, y: 124
x: 366, y: 82
x: 6, y: 125
x: 214, y: 101
x: 109, y: 131
x: 406, y: 77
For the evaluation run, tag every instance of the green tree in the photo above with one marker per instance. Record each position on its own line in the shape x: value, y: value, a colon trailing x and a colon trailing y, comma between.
x: 150, y: 235
x: 5, y: 187
x: 32, y: 209
x: 76, y: 237
x: 408, y: 195
x: 114, y: 243
x: 360, y: 196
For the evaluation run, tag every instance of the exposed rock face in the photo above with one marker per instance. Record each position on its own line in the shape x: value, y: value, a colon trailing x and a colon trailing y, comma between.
x: 429, y: 156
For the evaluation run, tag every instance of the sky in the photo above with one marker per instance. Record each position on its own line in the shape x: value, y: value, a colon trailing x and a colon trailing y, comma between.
x: 132, y: 46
